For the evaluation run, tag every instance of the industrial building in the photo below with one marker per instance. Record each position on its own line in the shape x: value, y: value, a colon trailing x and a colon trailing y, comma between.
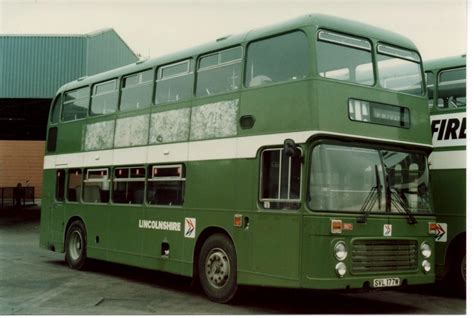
x: 32, y: 68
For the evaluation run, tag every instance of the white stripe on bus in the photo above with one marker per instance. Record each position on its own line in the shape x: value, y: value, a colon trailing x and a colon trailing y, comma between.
x: 448, y: 160
x: 225, y: 148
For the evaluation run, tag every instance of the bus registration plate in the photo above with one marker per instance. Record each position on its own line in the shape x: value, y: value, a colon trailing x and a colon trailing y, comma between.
x: 386, y: 282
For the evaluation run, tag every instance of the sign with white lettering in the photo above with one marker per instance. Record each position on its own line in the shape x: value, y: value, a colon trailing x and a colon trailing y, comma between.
x: 449, y: 130
x: 159, y: 225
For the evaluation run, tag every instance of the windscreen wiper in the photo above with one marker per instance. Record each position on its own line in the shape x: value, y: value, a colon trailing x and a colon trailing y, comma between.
x: 399, y: 204
x: 375, y: 194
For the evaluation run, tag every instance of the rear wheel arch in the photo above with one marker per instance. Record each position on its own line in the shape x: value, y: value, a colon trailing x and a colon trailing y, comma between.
x: 205, y: 234
x: 68, y: 225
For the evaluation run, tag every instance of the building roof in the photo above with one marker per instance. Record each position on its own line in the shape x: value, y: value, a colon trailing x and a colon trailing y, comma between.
x: 35, y: 66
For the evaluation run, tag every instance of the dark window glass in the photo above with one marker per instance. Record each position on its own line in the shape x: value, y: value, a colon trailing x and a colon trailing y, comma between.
x: 60, y: 183
x: 344, y: 58
x: 220, y: 72
x: 174, y: 84
x: 105, y: 98
x: 129, y: 185
x: 452, y: 88
x: 52, y: 139
x: 74, y: 185
x: 56, y: 110
x: 166, y: 185
x: 280, y: 184
x: 136, y: 91
x: 96, y: 186
x: 278, y: 59
x: 430, y: 82
x: 75, y: 104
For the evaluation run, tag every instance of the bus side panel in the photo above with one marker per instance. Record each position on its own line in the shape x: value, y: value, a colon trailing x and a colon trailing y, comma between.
x: 52, y: 215
x: 276, y: 247
x: 449, y: 198
x: 70, y: 137
x: 94, y: 218
x: 125, y: 237
x: 290, y: 101
x: 162, y: 248
x: 47, y: 199
x: 216, y: 190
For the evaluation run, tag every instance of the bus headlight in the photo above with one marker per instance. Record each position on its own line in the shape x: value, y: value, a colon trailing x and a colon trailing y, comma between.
x: 341, y: 269
x: 425, y: 250
x: 340, y: 251
x: 426, y: 266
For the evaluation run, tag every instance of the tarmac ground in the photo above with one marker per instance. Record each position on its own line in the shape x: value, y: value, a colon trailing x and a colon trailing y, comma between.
x: 37, y: 281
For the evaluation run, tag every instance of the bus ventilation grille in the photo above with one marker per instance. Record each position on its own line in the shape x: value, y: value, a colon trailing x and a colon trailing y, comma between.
x: 384, y: 255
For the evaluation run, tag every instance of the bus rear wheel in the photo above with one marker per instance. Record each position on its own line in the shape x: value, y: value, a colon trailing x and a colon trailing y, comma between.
x: 76, y: 245
x: 218, y: 268
x: 455, y: 279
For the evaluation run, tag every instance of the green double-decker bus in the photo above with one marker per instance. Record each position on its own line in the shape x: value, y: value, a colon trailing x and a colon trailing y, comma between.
x: 446, y: 83
x: 293, y: 155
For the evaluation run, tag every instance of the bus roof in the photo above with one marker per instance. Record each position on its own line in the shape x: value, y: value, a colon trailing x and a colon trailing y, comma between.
x: 445, y: 62
x: 320, y: 20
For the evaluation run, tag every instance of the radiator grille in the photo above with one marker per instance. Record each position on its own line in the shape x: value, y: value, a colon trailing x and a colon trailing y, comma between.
x: 384, y: 255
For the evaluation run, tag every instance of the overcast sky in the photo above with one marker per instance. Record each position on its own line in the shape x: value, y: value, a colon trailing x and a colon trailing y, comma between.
x: 153, y: 28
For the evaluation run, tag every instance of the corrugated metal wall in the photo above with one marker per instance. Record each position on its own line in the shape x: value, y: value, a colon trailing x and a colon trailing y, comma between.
x: 105, y: 51
x: 35, y: 67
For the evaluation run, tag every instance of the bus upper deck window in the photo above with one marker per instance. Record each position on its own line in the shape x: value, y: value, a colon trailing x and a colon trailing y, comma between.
x: 219, y: 72
x: 174, y: 83
x: 452, y: 88
x: 344, y: 58
x: 399, y: 69
x: 136, y: 91
x: 104, y: 98
x: 278, y: 59
x: 75, y: 104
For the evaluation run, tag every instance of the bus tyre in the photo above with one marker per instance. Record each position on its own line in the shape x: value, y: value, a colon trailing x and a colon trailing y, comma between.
x: 76, y: 245
x: 458, y: 271
x: 218, y: 268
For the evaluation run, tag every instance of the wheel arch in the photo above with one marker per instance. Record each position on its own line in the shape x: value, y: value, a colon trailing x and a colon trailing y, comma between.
x: 69, y: 222
x: 457, y: 242
x: 203, y: 236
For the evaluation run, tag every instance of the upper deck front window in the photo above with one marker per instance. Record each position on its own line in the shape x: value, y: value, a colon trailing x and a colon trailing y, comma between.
x: 344, y: 58
x: 399, y: 69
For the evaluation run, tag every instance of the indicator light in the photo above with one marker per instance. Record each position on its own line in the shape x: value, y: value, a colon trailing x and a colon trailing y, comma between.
x: 238, y: 220
x: 336, y: 226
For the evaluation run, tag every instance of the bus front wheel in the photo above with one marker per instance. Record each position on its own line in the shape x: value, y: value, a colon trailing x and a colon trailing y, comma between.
x: 76, y: 245
x: 218, y: 268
